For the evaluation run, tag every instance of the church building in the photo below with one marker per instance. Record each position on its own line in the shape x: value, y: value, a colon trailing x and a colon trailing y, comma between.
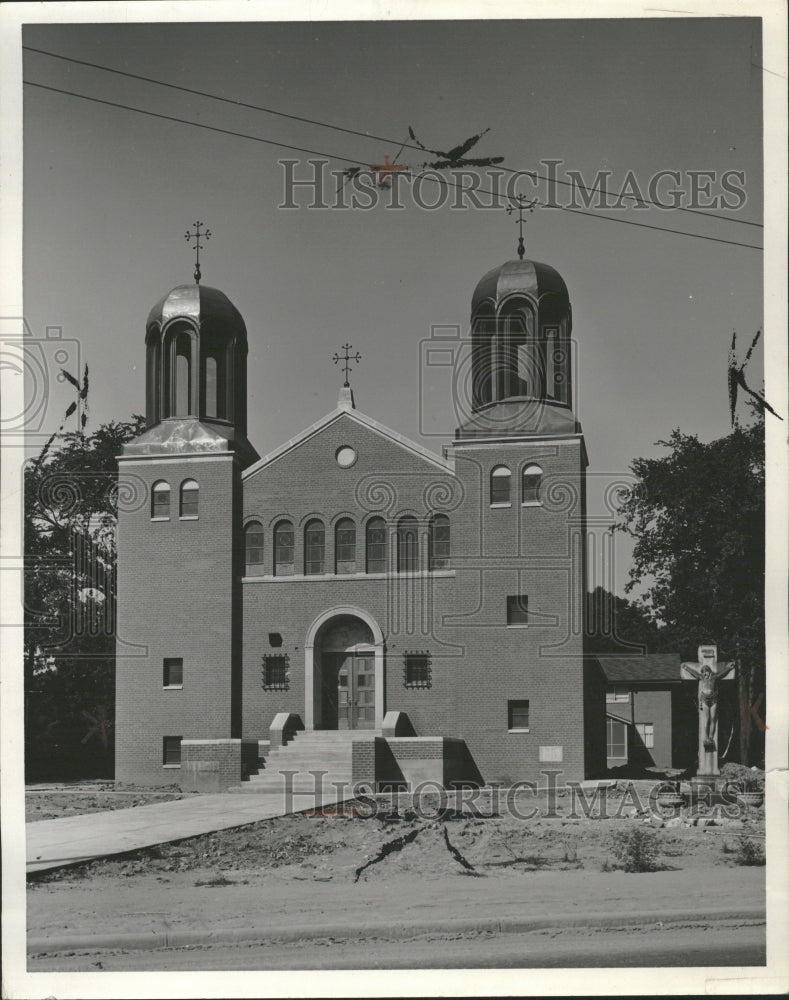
x: 353, y: 599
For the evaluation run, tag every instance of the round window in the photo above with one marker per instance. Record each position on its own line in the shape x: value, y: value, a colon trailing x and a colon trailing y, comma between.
x: 345, y: 456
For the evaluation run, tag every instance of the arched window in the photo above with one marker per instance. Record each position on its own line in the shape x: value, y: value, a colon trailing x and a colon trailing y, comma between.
x: 253, y: 548
x: 345, y: 546
x: 160, y: 499
x: 190, y: 495
x: 407, y: 545
x: 500, y: 485
x: 183, y: 375
x: 376, y: 545
x: 531, y: 480
x: 439, y: 542
x: 314, y: 548
x: 284, y: 549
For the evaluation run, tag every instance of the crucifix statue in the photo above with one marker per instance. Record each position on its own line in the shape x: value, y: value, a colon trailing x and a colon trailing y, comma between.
x: 198, y: 246
x: 708, y: 671
x: 522, y: 204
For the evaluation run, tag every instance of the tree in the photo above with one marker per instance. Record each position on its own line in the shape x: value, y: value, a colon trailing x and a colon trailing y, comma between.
x: 697, y: 515
x: 70, y: 517
x: 616, y: 625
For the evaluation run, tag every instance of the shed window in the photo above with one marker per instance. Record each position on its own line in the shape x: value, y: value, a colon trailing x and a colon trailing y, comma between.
x: 284, y: 549
x: 646, y: 730
x: 501, y: 485
x: 160, y: 500
x: 190, y: 495
x: 376, y: 545
x: 314, y: 548
x: 345, y: 546
x: 616, y: 738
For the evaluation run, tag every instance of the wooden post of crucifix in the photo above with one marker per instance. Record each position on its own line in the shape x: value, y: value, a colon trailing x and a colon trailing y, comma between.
x: 198, y: 246
x: 522, y: 204
x: 708, y: 671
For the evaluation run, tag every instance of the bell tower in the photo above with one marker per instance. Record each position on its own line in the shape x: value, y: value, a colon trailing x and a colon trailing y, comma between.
x: 521, y: 459
x: 178, y: 674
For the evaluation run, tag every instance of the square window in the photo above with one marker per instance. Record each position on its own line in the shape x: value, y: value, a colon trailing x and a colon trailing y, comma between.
x: 171, y: 751
x: 417, y: 669
x: 617, y: 694
x: 518, y: 610
x: 173, y: 672
x: 275, y: 671
x: 518, y: 714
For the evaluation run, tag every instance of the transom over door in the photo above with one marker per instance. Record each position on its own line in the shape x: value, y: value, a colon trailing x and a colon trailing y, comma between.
x: 356, y: 692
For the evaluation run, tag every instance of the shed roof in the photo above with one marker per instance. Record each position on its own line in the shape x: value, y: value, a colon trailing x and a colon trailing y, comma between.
x: 649, y: 668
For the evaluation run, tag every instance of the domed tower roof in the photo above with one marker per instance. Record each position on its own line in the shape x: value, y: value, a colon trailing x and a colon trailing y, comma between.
x: 521, y: 358
x: 197, y: 303
x: 521, y: 277
x: 196, y: 375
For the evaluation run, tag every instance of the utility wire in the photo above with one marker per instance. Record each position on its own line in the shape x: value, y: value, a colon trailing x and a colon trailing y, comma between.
x: 346, y: 159
x: 366, y: 135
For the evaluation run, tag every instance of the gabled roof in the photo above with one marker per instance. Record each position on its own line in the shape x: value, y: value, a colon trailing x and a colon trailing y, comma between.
x: 650, y: 668
x: 360, y: 418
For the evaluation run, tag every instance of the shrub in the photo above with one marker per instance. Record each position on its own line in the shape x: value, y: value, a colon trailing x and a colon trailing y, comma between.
x: 745, y: 852
x: 636, y: 849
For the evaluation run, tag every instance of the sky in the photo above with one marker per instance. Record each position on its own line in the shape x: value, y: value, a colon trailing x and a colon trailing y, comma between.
x: 109, y: 194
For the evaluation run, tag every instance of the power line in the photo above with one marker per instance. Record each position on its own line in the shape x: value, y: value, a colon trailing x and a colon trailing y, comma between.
x: 346, y: 159
x: 369, y: 135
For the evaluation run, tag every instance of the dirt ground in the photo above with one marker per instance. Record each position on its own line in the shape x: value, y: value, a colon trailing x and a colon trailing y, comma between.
x: 52, y: 801
x: 345, y: 864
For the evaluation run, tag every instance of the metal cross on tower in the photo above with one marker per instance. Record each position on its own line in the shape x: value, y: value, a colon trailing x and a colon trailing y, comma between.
x: 198, y: 246
x: 522, y: 205
x: 346, y: 359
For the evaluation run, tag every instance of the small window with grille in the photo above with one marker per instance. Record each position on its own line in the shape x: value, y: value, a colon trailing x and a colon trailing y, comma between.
x: 171, y: 751
x: 275, y: 672
x: 416, y: 669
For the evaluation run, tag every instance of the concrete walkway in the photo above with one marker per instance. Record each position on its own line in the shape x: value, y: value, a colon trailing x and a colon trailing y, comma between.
x: 54, y: 843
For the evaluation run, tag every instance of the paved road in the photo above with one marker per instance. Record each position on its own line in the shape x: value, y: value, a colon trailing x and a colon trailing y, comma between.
x: 723, y: 945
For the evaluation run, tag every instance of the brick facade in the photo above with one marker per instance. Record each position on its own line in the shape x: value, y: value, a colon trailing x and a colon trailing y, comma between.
x: 184, y: 592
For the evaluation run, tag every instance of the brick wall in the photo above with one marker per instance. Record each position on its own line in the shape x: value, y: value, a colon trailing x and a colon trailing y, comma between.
x: 176, y: 599
x: 216, y: 765
x: 477, y: 662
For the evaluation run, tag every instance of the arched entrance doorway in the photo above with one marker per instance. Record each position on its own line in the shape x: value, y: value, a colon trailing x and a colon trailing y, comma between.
x: 344, y: 671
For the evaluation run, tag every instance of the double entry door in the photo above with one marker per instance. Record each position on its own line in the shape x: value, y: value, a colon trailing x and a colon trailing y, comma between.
x: 348, y: 690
